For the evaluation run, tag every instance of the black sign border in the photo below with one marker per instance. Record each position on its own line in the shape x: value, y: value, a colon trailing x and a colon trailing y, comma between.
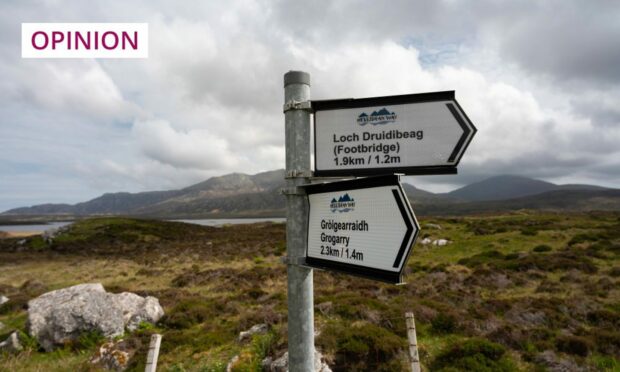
x: 386, y: 276
x: 346, y: 103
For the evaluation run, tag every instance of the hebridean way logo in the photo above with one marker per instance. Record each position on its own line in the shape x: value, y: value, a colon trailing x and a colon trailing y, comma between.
x: 344, y: 204
x: 382, y: 116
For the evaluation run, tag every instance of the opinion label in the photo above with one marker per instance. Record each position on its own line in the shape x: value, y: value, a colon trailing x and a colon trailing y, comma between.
x: 85, y: 40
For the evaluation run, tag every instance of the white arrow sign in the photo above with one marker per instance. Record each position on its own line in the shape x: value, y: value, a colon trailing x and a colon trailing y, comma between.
x: 411, y: 134
x: 363, y: 227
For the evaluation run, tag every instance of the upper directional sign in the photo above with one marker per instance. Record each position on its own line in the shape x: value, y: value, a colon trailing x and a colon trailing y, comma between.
x: 363, y: 227
x: 411, y: 134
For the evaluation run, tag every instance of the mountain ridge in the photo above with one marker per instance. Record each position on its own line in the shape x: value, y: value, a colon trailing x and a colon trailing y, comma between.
x: 239, y: 194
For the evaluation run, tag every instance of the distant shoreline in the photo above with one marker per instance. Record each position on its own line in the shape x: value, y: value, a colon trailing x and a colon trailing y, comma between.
x: 21, y: 234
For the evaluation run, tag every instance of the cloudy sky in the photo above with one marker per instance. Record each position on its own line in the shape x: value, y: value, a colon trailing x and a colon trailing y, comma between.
x: 540, y: 80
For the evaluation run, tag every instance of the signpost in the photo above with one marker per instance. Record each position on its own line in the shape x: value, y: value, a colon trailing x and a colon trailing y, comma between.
x: 366, y: 226
x: 415, y: 134
x: 363, y: 227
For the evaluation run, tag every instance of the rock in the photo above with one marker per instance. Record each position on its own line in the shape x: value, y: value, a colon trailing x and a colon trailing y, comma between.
x: 11, y: 344
x: 50, y: 234
x: 432, y: 226
x: 440, y: 242
x: 266, y: 363
x: 256, y: 329
x: 281, y: 364
x: 60, y: 316
x: 1, y: 326
x: 3, y: 299
x: 137, y: 309
x: 113, y: 355
x: 231, y: 365
x: 426, y: 241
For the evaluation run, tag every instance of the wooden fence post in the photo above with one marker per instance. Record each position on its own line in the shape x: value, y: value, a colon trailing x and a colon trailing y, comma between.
x: 151, y: 359
x: 414, y: 357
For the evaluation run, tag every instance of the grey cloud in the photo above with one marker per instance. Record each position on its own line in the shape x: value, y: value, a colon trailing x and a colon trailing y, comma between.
x: 218, y: 66
x: 602, y: 116
x: 568, y: 40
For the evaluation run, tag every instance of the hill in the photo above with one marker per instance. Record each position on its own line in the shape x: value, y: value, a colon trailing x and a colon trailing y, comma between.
x: 231, y: 194
x: 556, y: 200
x: 510, y: 187
x: 243, y: 195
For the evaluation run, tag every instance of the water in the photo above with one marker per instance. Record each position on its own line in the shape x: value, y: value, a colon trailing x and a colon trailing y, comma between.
x: 231, y: 221
x: 204, y: 222
x: 33, y: 228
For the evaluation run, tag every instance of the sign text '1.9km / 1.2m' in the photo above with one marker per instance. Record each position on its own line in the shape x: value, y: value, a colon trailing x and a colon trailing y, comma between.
x: 411, y: 134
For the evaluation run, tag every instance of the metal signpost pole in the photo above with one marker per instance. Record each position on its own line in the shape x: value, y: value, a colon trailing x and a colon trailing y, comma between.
x: 300, y: 278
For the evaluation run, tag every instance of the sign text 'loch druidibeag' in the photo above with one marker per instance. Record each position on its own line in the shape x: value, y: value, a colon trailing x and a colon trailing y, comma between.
x: 412, y: 134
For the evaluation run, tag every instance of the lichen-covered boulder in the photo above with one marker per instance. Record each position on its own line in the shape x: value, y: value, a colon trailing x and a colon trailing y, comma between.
x: 137, y: 309
x: 61, y: 316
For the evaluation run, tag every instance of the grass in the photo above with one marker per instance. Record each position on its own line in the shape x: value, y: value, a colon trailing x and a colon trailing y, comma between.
x: 505, y: 290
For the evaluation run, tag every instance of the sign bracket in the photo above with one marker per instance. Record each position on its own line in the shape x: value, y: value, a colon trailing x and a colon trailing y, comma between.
x: 297, y: 105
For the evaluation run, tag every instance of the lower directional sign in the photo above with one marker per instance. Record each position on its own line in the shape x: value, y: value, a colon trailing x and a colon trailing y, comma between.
x: 363, y: 227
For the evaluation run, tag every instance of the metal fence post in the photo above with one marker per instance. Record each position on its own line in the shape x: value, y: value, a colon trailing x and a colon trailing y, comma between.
x: 300, y: 279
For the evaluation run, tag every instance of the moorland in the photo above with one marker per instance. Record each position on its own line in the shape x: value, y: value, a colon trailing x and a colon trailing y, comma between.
x: 516, y: 291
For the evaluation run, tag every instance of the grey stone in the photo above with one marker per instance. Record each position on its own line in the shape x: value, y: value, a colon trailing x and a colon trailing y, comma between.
x: 3, y: 299
x: 426, y: 241
x: 231, y: 365
x: 281, y: 364
x: 432, y: 226
x: 63, y: 315
x: 266, y: 363
x: 137, y: 309
x: 256, y: 329
x: 50, y: 234
x: 440, y: 242
x: 11, y: 344
x: 1, y: 326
